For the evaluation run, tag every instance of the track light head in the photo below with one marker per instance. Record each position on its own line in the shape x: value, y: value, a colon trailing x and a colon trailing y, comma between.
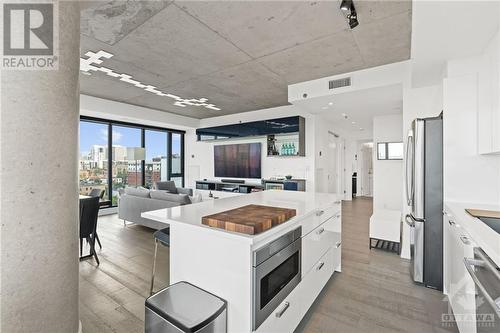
x: 353, y: 19
x: 345, y: 5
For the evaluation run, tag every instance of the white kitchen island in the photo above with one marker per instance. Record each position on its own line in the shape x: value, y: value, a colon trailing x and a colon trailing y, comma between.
x: 221, y: 262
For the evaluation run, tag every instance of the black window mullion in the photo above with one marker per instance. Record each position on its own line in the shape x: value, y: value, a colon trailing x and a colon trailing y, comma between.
x: 143, y: 162
x: 169, y: 155
x: 110, y: 163
x: 182, y: 158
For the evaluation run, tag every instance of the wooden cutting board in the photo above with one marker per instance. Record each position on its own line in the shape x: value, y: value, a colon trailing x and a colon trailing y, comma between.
x: 250, y: 219
x: 483, y: 213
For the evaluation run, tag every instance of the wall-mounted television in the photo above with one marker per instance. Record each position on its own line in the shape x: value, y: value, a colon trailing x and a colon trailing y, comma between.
x: 237, y: 160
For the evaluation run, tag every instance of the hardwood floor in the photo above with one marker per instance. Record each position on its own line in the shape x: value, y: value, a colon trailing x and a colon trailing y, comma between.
x: 373, y: 293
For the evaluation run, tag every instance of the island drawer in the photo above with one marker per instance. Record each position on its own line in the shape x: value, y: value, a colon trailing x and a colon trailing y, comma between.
x: 320, y: 216
x: 312, y: 284
x: 317, y: 242
x: 287, y: 315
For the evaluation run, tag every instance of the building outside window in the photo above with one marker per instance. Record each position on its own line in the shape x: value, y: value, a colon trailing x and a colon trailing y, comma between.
x: 99, y: 169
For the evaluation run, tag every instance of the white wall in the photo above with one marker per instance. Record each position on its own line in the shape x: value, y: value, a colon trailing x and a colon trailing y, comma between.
x: 200, y: 155
x: 387, y: 174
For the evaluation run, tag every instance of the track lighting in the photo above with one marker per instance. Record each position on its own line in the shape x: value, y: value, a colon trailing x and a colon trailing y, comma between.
x: 347, y: 6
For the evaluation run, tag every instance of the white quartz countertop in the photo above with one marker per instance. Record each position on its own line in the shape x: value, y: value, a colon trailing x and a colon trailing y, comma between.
x: 485, y: 237
x: 303, y: 202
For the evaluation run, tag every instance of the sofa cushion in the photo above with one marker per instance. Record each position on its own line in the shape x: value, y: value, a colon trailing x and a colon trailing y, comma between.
x: 182, y: 199
x: 167, y: 186
x: 137, y: 192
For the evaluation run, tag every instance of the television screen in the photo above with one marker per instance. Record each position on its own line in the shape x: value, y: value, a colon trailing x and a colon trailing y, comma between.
x: 237, y: 161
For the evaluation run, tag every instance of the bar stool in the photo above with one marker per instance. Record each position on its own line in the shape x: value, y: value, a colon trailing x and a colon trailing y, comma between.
x: 162, y: 236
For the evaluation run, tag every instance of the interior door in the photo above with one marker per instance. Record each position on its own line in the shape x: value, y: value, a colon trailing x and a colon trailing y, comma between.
x: 333, y: 174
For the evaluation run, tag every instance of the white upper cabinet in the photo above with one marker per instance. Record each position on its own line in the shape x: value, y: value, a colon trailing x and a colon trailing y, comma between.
x: 489, y: 99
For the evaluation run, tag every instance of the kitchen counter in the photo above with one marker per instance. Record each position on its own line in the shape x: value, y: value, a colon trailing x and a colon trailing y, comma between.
x: 484, y: 236
x: 222, y: 262
x: 303, y: 202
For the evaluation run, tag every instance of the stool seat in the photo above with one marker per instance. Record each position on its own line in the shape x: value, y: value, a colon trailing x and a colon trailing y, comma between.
x: 163, y: 235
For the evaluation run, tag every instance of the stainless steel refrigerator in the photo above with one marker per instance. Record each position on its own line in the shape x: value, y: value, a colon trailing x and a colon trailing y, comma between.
x: 424, y: 194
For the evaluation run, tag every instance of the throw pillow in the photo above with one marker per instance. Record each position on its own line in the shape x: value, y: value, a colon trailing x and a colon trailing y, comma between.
x: 167, y: 186
x: 182, y: 199
x: 137, y: 192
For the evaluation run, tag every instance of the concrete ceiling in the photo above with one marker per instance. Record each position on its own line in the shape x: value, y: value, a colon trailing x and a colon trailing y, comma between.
x: 241, y: 55
x: 360, y: 107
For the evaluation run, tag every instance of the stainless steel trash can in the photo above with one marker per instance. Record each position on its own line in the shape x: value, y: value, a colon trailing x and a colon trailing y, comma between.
x: 183, y: 307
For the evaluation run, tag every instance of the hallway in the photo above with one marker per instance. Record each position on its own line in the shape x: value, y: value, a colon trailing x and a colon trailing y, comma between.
x: 374, y: 292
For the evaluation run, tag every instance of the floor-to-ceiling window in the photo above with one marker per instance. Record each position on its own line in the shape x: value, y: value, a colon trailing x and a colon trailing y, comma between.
x: 156, y: 163
x: 177, y: 159
x: 93, y: 167
x: 109, y: 150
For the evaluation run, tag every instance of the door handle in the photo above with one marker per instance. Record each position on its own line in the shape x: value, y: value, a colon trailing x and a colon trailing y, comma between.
x: 409, y: 221
x: 451, y: 222
x: 280, y: 312
x: 319, y: 213
x: 320, y: 266
x: 338, y: 202
x: 320, y: 231
x: 469, y: 263
x: 465, y: 239
x: 338, y: 245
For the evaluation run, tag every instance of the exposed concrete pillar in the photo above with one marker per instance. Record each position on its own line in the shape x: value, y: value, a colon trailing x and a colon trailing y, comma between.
x: 39, y: 189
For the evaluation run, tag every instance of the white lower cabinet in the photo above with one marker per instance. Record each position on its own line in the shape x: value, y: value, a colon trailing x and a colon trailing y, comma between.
x: 287, y: 315
x: 315, y: 280
x: 319, y: 240
x: 457, y: 281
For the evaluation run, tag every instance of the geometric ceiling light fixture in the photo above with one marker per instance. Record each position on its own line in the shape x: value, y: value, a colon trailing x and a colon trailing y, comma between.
x: 347, y: 6
x: 95, y: 59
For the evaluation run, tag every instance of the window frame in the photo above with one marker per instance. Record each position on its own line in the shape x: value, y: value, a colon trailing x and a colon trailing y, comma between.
x: 386, y: 148
x: 143, y: 129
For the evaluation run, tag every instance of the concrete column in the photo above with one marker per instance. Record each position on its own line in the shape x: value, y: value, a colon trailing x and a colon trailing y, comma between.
x: 39, y: 190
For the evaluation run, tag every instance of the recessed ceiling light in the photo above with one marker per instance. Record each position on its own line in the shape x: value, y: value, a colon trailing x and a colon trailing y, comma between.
x: 89, y: 64
x: 331, y: 103
x: 361, y: 128
x: 353, y: 122
x: 325, y: 107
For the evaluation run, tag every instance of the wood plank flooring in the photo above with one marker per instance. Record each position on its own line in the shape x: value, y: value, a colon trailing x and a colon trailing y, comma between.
x: 374, y: 292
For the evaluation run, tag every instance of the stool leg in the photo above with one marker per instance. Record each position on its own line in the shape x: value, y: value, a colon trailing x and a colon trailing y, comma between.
x: 154, y: 268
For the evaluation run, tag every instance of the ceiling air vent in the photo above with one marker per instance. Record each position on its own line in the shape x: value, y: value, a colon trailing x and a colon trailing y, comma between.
x: 344, y: 82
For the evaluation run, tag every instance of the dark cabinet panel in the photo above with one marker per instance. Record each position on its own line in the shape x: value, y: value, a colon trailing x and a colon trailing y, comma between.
x: 255, y: 128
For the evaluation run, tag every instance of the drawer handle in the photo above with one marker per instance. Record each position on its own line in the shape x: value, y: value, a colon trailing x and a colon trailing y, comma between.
x: 451, y: 222
x: 320, y: 231
x: 465, y: 240
x: 319, y: 213
x: 282, y: 311
x: 338, y: 245
x: 320, y: 266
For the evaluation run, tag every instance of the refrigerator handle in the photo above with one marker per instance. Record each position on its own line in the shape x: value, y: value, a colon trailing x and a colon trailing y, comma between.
x: 410, y: 221
x: 409, y: 170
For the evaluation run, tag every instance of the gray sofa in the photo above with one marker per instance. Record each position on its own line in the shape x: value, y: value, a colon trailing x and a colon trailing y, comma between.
x: 134, y: 201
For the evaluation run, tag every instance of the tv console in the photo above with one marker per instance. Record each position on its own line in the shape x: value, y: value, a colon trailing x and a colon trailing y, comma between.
x: 228, y: 185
